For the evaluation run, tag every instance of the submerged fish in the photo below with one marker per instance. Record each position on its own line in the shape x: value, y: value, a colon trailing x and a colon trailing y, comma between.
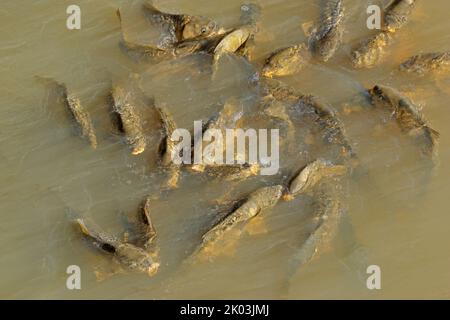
x: 80, y: 115
x: 125, y: 106
x: 286, y: 61
x: 397, y: 14
x: 184, y: 35
x: 322, y: 113
x: 312, y: 174
x: 329, y: 211
x: 167, y: 147
x: 149, y: 228
x: 127, y: 254
x: 370, y: 52
x: 332, y: 126
x: 227, y: 118
x: 408, y: 116
x: 326, y: 38
x: 181, y: 27
x: 142, y: 53
x: 261, y: 199
x: 232, y: 172
x: 426, y: 63
x: 82, y: 118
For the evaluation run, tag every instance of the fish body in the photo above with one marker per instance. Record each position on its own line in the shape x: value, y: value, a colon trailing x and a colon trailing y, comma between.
x: 408, y: 116
x: 82, y: 117
x: 79, y: 113
x: 397, y: 14
x: 232, y: 172
x: 327, y: 37
x: 148, y: 226
x: 422, y: 64
x: 167, y: 147
x: 322, y: 113
x: 332, y: 126
x: 329, y: 211
x: 130, y: 119
x: 127, y: 254
x: 231, y: 42
x: 181, y: 27
x: 257, y: 201
x: 371, y: 51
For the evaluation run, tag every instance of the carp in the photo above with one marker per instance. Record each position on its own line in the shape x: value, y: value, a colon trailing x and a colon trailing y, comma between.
x: 261, y: 199
x: 313, y: 174
x: 408, y: 116
x: 397, y: 14
x: 125, y: 106
x: 126, y: 254
x: 78, y: 112
x: 422, y: 64
x: 371, y: 51
x: 327, y: 37
x: 167, y: 147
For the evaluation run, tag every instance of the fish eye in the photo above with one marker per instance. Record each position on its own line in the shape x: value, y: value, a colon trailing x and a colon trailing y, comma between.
x: 203, y: 30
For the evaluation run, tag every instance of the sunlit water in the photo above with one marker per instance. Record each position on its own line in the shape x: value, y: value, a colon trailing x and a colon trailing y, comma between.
x: 398, y: 209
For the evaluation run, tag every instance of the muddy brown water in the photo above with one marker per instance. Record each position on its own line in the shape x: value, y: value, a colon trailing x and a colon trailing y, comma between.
x: 399, y: 210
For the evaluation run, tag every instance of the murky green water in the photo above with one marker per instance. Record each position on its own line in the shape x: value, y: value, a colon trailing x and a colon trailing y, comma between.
x: 399, y: 210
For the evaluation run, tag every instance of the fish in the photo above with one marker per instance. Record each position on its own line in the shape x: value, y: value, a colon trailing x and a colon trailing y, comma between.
x: 372, y: 51
x: 227, y: 118
x: 167, y: 147
x: 322, y: 113
x: 329, y: 210
x: 143, y: 53
x: 82, y: 117
x: 232, y: 42
x: 425, y: 63
x: 408, y: 116
x: 397, y: 14
x: 126, y: 254
x: 233, y: 172
x: 149, y: 228
x: 327, y: 37
x: 181, y: 27
x: 286, y: 61
x: 334, y: 130
x: 79, y: 113
x: 194, y: 35
x: 261, y: 199
x: 124, y: 104
x: 311, y: 175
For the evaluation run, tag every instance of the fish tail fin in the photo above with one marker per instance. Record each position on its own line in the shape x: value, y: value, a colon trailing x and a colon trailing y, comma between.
x: 106, y: 243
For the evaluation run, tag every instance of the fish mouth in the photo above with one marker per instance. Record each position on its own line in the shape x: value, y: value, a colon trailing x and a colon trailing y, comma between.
x: 153, y: 269
x: 138, y: 150
x: 287, y: 196
x: 267, y: 73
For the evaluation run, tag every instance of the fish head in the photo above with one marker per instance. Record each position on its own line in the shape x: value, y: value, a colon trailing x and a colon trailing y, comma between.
x: 383, y: 94
x: 268, y: 71
x: 147, y: 264
x: 200, y: 27
x: 137, y: 259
